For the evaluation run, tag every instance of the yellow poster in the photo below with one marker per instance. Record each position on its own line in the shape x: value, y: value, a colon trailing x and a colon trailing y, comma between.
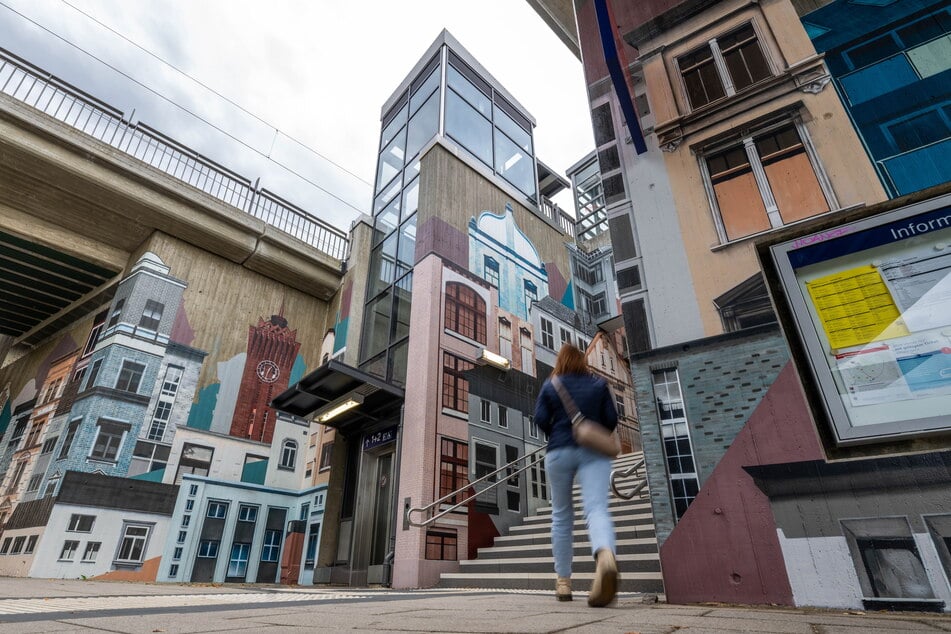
x: 855, y: 307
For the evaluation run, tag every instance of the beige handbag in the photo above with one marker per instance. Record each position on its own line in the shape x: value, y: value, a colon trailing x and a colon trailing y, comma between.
x: 588, y: 433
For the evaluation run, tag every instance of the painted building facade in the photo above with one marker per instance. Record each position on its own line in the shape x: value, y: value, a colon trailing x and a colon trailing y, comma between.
x: 164, y: 319
x: 470, y: 267
x: 748, y: 141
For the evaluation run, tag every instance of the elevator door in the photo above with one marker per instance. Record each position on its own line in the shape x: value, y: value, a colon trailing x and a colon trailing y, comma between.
x: 382, y: 510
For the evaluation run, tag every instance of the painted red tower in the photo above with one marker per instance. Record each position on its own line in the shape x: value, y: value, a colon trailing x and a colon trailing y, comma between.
x: 272, y: 349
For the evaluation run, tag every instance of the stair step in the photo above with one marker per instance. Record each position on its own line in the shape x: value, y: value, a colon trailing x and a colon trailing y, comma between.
x: 644, y: 562
x: 583, y: 548
x: 640, y: 530
x: 647, y: 582
x: 545, y: 523
x: 613, y: 504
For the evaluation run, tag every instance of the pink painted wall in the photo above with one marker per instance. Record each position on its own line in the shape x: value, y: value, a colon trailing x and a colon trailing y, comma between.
x: 725, y: 547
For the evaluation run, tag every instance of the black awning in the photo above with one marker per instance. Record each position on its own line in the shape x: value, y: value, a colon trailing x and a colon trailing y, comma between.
x: 335, y: 382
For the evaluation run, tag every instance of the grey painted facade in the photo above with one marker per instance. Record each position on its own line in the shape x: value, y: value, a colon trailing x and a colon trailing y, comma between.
x: 722, y: 379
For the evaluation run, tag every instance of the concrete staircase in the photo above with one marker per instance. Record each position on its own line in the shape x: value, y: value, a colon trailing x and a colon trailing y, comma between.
x: 523, y: 558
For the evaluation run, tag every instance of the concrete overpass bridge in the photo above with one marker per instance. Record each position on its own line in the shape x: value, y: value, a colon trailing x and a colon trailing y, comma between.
x: 81, y: 188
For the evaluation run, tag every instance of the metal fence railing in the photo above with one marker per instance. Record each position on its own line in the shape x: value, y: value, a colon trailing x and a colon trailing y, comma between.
x: 34, y: 87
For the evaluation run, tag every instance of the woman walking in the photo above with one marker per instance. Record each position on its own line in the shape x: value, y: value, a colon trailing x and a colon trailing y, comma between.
x: 564, y: 459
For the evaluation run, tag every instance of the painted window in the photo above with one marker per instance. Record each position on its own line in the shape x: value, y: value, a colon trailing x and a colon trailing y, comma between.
x: 247, y: 513
x: 453, y: 466
x: 132, y: 545
x: 886, y: 558
x: 723, y: 67
x: 531, y: 294
x: 288, y: 455
x: 491, y: 270
x: 565, y: 336
x: 763, y: 181
x: 109, y: 436
x: 486, y: 460
x: 326, y: 454
x: 310, y: 555
x: 18, y: 545
x: 217, y: 510
x: 455, y: 385
x: 272, y: 546
x: 68, y: 553
x: 80, y: 523
x: 91, y: 551
x: 130, y: 376
x: 194, y: 459
x: 152, y: 315
x: 539, y: 480
x: 48, y: 445
x: 441, y: 545
x: 17, y: 476
x: 98, y: 324
x: 238, y: 564
x: 681, y: 469
x: 116, y: 313
x: 594, y: 305
x: 93, y: 373
x: 163, y: 408
x: 511, y: 455
x: 548, y: 334
x: 505, y: 338
x: 208, y: 549
x: 485, y: 411
x: 465, y: 312
x: 148, y: 457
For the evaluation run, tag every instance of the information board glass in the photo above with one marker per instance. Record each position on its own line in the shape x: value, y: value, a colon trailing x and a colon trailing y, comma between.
x: 872, y: 303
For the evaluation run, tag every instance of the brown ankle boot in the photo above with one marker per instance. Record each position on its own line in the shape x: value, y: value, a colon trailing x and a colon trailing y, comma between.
x: 604, y: 587
x: 563, y: 589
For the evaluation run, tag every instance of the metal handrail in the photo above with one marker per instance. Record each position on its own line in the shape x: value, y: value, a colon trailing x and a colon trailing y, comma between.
x: 626, y: 473
x: 429, y: 507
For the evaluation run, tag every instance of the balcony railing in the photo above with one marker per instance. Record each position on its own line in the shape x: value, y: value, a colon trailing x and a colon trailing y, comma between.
x: 558, y: 215
x: 34, y: 87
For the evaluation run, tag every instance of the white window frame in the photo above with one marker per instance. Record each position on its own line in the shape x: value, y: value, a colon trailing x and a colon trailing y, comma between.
x: 748, y: 141
x: 68, y: 551
x: 288, y: 457
x: 126, y: 526
x: 720, y: 64
x: 119, y: 447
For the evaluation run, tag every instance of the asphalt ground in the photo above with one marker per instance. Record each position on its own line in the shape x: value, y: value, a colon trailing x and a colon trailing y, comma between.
x: 40, y: 606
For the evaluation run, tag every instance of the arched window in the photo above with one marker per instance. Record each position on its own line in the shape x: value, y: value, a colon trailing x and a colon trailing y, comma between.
x: 288, y: 454
x: 465, y: 312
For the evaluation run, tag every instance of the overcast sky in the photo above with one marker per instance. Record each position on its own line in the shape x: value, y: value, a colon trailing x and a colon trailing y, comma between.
x: 317, y: 71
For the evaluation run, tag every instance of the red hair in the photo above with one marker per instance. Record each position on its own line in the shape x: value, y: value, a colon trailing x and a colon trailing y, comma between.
x: 570, y: 360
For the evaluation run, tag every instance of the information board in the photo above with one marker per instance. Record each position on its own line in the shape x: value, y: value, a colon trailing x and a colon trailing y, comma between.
x: 871, y: 301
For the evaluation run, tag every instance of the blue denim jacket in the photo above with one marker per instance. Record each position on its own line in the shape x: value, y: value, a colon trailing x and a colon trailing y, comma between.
x: 591, y: 396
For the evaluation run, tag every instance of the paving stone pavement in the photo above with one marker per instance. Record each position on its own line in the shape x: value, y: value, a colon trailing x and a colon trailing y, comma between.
x: 33, y: 606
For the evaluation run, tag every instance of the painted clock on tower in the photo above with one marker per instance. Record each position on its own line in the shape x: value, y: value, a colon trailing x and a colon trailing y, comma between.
x: 272, y: 350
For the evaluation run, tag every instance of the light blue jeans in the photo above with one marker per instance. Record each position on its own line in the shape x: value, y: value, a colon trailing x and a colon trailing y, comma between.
x: 594, y: 473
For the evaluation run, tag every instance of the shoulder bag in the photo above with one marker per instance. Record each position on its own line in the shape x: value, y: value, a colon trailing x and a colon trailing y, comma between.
x: 587, y: 433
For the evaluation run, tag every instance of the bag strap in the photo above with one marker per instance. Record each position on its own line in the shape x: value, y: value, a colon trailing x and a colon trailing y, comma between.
x: 566, y: 400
